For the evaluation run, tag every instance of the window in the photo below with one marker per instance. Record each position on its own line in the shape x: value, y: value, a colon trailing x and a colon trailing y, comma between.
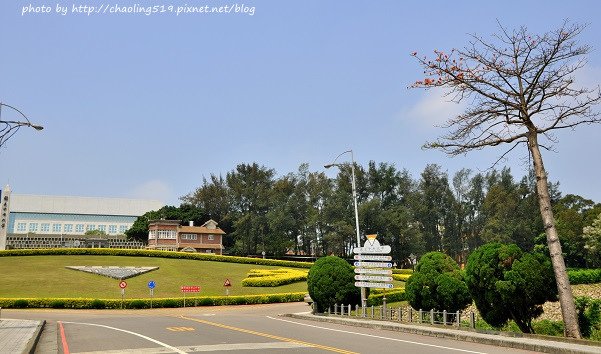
x: 56, y: 227
x: 21, y: 227
x: 68, y: 227
x: 33, y: 227
x: 167, y: 234
x: 112, y: 229
x: 122, y: 229
x: 152, y: 234
x: 211, y: 237
x: 209, y: 251
x: 79, y: 228
x: 189, y: 237
x: 45, y: 227
x: 102, y: 228
x: 90, y: 227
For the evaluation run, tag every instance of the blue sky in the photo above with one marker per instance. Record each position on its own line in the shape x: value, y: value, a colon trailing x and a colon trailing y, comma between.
x: 145, y: 106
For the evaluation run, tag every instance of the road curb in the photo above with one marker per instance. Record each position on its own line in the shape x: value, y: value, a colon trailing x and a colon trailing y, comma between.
x: 538, y: 344
x: 33, y: 341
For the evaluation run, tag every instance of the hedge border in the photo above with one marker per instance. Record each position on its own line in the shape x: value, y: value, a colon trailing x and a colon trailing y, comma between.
x: 152, y: 253
x: 88, y: 303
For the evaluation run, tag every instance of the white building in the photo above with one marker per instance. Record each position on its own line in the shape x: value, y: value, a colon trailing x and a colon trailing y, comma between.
x: 68, y: 216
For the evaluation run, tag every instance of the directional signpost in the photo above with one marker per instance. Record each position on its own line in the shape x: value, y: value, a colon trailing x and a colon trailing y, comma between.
x: 369, y: 260
x: 372, y: 265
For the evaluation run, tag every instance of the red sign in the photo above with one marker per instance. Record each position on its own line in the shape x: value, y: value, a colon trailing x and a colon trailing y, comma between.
x: 122, y: 284
x: 227, y: 283
x: 190, y: 289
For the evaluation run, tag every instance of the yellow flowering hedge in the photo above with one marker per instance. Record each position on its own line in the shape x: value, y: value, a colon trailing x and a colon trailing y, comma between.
x: 274, y: 277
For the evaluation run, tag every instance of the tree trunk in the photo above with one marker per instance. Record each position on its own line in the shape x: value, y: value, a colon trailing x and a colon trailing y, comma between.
x: 566, y: 298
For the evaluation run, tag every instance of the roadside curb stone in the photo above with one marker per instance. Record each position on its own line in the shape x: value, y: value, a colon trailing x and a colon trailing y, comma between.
x: 517, y: 341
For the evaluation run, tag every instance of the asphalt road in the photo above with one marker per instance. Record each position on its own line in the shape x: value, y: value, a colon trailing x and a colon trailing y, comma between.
x: 232, y: 329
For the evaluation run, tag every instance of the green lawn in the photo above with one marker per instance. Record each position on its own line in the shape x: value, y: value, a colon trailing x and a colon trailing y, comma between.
x: 46, y: 276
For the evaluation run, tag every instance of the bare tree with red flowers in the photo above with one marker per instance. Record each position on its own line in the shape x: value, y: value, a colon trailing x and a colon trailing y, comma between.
x: 519, y: 88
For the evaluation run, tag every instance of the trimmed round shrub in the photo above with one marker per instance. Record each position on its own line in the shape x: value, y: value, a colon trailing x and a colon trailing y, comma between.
x: 331, y: 280
x: 510, y: 284
x: 437, y: 284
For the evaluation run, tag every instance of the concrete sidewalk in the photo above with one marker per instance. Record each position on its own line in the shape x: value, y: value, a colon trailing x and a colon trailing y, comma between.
x: 19, y: 336
x: 501, y: 339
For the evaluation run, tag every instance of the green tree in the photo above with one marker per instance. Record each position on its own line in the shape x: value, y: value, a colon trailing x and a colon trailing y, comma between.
x: 592, y: 239
x: 434, y: 209
x: 250, y: 187
x: 437, y: 284
x: 331, y: 280
x: 509, y: 284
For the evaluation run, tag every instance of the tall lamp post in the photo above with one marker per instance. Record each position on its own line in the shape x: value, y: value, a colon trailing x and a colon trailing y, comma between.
x: 354, y: 188
x: 9, y: 127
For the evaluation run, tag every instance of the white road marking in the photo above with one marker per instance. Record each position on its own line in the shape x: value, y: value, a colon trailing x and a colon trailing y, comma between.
x: 204, y: 348
x: 374, y: 336
x: 172, y: 349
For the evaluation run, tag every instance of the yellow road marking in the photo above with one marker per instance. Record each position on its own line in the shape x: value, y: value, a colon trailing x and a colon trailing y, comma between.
x: 261, y: 334
x: 180, y: 329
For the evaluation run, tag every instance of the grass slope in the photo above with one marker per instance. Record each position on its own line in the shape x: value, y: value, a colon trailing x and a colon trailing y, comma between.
x: 46, y: 276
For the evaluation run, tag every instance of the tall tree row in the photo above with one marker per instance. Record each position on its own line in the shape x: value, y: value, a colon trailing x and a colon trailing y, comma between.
x: 306, y: 213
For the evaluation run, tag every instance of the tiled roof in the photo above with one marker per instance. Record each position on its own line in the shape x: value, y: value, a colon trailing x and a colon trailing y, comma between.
x: 201, y: 230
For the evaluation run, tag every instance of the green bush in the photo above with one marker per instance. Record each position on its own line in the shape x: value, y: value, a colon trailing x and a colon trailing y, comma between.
x: 509, y: 284
x: 97, y: 304
x: 57, y: 304
x: 584, y: 276
x: 437, y: 284
x: 377, y: 299
x: 20, y: 304
x: 548, y: 328
x: 138, y: 304
x: 331, y: 280
x: 589, y: 315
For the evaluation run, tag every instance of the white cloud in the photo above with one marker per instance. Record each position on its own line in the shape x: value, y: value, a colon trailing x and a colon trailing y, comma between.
x: 154, y: 189
x: 433, y: 109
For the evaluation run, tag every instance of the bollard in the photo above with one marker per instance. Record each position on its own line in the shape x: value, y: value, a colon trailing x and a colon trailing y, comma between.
x: 458, y: 316
x: 400, y: 314
x: 432, y: 316
x: 420, y: 316
x: 357, y: 310
x: 444, y: 317
x: 472, y: 320
x: 373, y: 316
x: 350, y: 307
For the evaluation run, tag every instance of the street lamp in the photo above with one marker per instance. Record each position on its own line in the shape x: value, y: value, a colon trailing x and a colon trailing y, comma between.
x: 9, y: 127
x: 354, y: 188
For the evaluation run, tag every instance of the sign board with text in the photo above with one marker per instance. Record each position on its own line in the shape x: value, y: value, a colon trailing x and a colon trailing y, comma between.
x: 373, y: 265
x: 373, y: 271
x: 364, y: 284
x: 190, y: 289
